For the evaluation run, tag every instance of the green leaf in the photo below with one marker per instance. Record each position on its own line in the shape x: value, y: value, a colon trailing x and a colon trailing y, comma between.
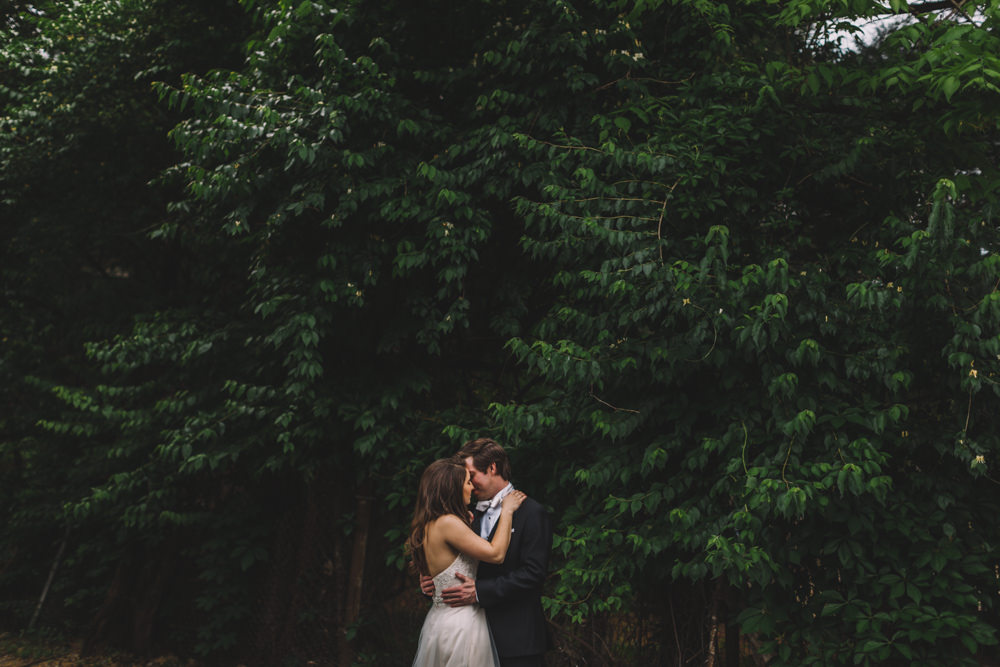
x: 949, y: 85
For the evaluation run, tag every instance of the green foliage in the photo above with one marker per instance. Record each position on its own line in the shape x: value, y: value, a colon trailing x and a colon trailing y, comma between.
x: 81, y: 137
x: 728, y: 293
x: 776, y: 318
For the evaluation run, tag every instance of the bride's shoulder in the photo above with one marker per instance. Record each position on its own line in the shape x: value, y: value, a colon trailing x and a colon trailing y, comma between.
x: 449, y: 518
x: 448, y: 522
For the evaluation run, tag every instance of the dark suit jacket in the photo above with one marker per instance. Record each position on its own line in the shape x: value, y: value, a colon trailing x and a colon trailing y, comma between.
x: 511, y: 593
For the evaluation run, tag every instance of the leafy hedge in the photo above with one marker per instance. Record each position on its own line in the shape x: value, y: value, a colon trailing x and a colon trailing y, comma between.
x: 727, y: 290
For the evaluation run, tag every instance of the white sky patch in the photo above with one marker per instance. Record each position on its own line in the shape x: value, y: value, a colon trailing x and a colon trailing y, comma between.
x: 870, y: 29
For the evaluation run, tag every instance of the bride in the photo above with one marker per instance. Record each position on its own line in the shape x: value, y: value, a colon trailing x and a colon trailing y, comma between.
x: 442, y: 544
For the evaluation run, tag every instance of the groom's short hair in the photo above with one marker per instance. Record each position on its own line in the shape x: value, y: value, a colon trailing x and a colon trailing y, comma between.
x: 484, y: 453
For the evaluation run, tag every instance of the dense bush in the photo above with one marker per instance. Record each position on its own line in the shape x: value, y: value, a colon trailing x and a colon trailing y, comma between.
x: 727, y: 290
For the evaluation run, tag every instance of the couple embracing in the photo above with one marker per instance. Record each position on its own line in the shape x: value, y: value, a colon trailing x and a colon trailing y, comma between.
x: 485, y: 569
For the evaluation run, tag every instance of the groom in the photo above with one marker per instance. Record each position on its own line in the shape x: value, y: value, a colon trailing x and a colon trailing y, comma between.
x: 511, y: 593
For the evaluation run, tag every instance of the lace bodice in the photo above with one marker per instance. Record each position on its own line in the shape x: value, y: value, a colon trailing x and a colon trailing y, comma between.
x: 446, y: 578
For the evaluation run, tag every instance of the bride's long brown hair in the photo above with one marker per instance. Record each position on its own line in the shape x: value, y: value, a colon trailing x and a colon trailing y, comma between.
x: 439, y: 493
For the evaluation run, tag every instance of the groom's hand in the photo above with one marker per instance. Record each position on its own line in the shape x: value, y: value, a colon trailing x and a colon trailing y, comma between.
x: 461, y: 595
x: 426, y: 585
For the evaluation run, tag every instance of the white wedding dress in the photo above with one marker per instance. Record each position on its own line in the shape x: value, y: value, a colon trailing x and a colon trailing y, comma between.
x: 455, y: 636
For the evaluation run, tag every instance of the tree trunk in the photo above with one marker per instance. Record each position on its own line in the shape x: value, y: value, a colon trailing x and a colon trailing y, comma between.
x: 48, y: 582
x: 153, y: 582
x: 355, y: 578
x: 127, y: 615
x: 713, y: 635
x: 305, y: 557
x: 103, y: 624
x: 271, y: 605
x: 732, y: 629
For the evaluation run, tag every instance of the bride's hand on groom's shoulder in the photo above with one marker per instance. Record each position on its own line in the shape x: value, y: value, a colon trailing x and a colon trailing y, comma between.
x: 513, y: 500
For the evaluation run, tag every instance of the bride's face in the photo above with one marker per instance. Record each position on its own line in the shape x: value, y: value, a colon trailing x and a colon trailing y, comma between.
x: 467, y: 489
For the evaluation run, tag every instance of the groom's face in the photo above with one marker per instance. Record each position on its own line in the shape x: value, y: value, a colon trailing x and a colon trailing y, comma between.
x: 486, y: 483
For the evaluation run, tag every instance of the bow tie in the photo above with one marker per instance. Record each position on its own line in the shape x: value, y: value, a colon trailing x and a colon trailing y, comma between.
x: 494, y: 502
x: 491, y: 504
x: 484, y: 505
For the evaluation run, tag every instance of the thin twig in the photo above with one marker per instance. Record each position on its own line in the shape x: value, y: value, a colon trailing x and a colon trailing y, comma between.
x: 947, y: 287
x: 785, y: 464
x: 568, y: 147
x: 609, y: 217
x: 616, y: 409
x: 961, y: 10
x: 659, y: 226
x: 743, y: 450
x: 715, y: 338
x: 589, y: 148
x: 665, y: 83
x: 643, y: 78
x: 603, y: 198
x: 968, y: 415
x: 644, y: 180
x: 980, y: 302
x: 677, y: 637
x: 659, y: 229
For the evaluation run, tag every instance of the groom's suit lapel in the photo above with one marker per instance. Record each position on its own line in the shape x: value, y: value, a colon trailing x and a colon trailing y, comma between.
x: 477, y: 521
x: 497, y: 523
x: 477, y: 524
x: 493, y: 532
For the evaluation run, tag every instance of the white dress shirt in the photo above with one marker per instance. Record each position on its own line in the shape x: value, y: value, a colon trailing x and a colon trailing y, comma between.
x: 492, y: 509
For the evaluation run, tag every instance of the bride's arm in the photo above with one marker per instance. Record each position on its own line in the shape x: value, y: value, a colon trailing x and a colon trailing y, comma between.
x: 462, y: 538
